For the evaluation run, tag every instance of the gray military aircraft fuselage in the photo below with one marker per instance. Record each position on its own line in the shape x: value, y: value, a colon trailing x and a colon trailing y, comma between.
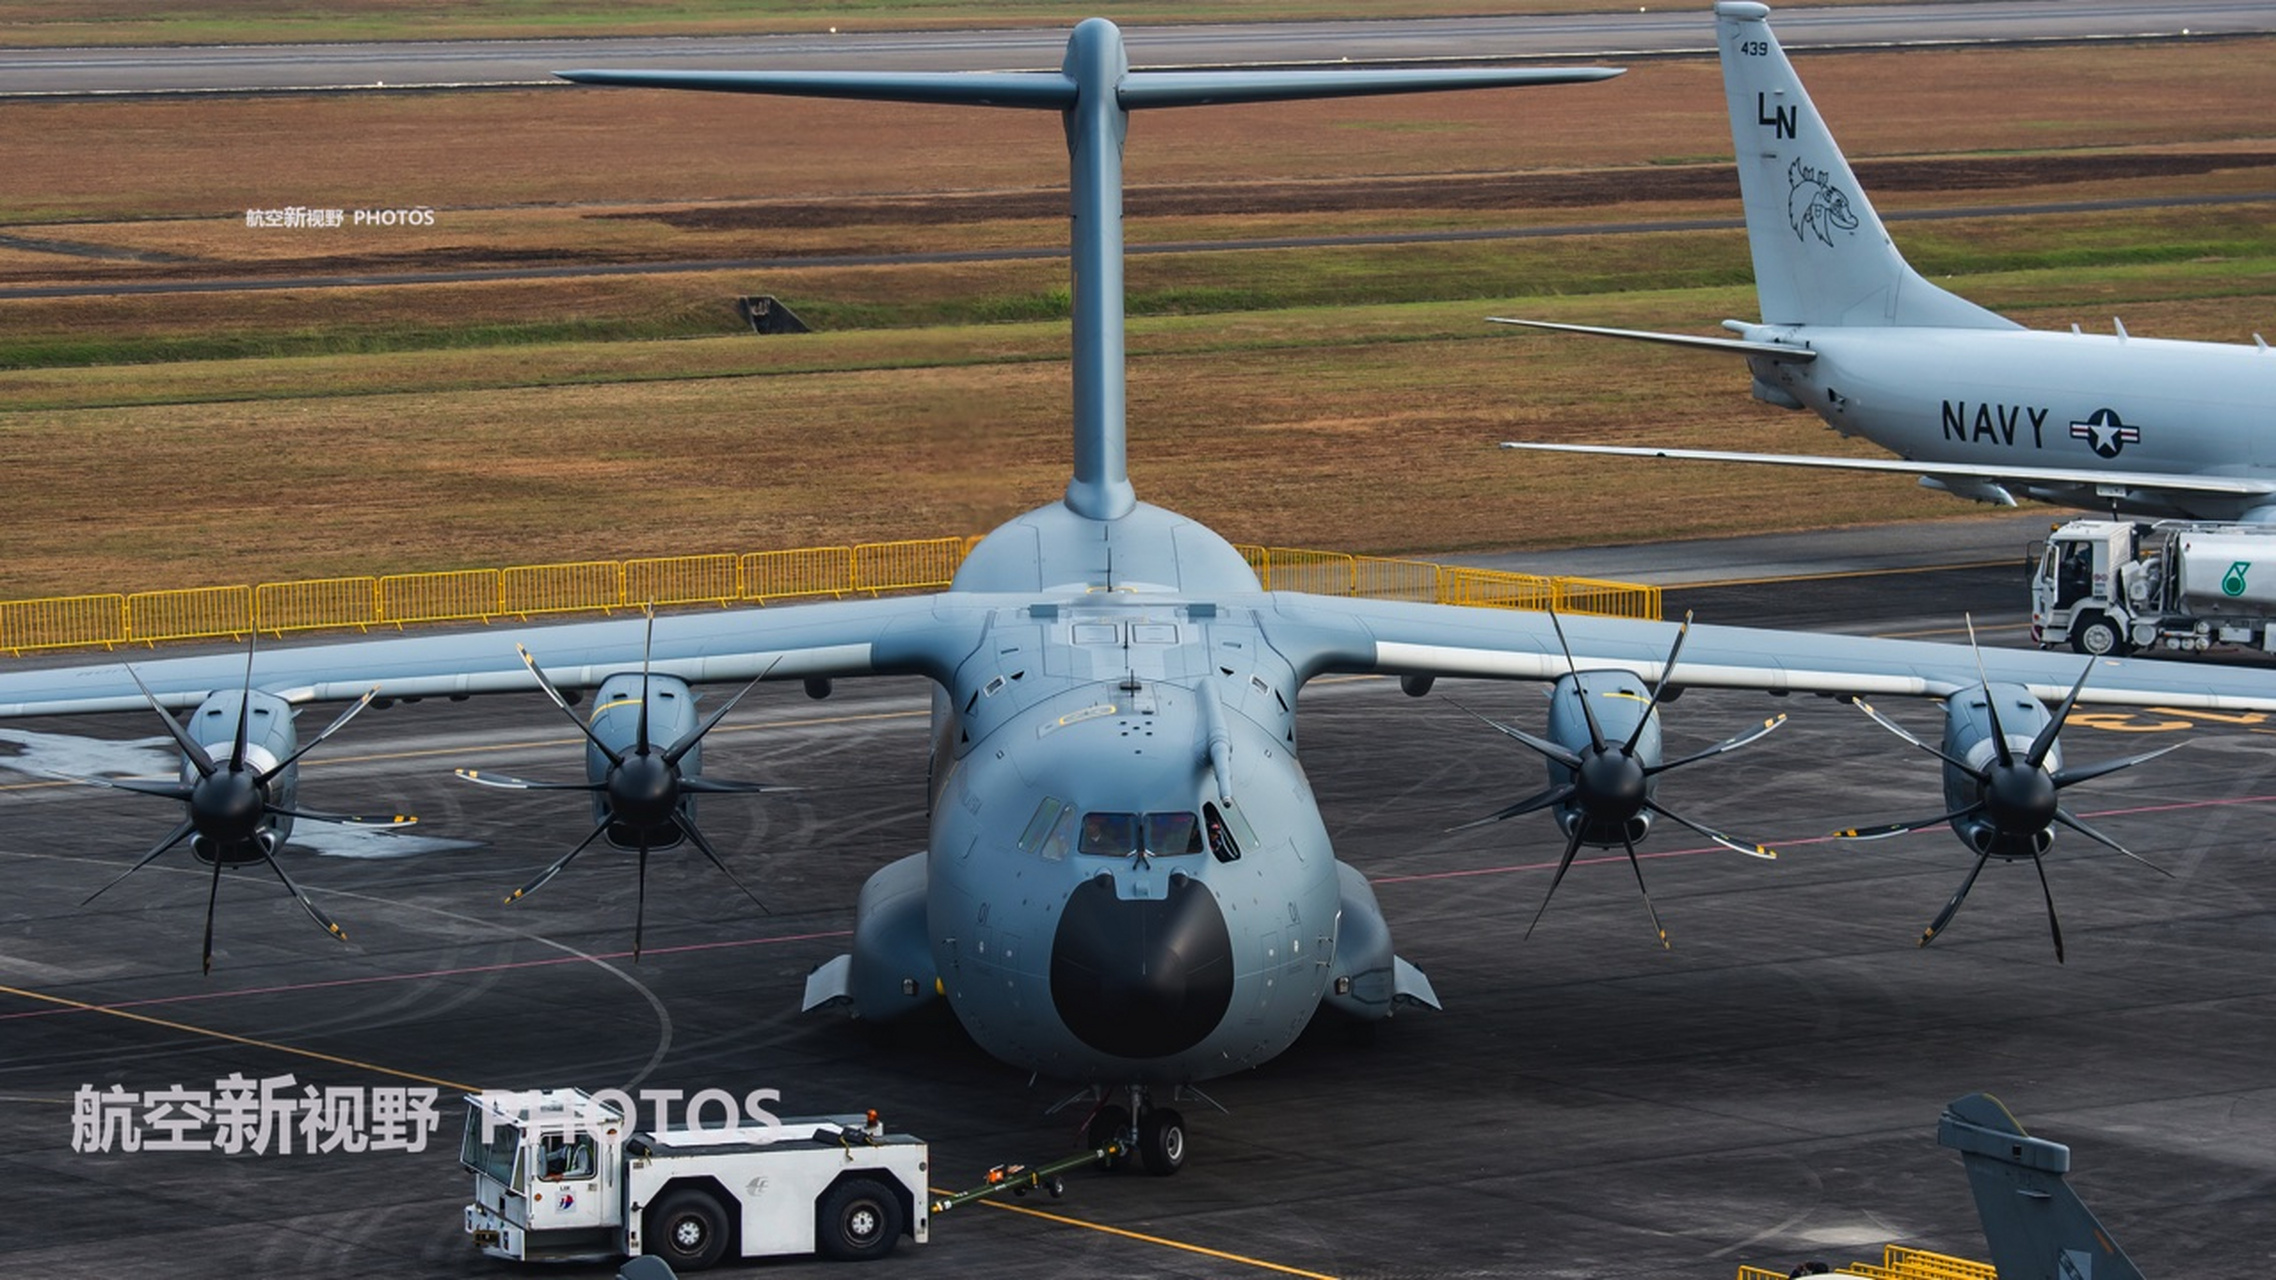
x: 2034, y: 399
x: 1969, y: 401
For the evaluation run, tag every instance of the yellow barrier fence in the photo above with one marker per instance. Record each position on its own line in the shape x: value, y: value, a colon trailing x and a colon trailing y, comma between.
x: 601, y: 586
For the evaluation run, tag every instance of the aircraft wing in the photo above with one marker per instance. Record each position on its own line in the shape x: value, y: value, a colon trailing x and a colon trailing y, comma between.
x: 1771, y: 350
x: 1332, y: 633
x: 898, y: 635
x: 2079, y: 477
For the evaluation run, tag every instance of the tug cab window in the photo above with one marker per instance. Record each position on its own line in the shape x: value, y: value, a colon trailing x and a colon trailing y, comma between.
x: 565, y: 1159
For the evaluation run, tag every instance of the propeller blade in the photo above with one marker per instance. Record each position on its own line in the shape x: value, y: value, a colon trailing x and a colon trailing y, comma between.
x: 1944, y: 917
x: 189, y: 745
x: 640, y: 902
x: 1638, y: 864
x: 2006, y: 754
x: 1736, y: 846
x: 724, y: 786
x: 554, y: 870
x: 1899, y: 730
x: 2071, y: 820
x: 530, y: 660
x: 244, y: 711
x: 315, y: 912
x: 1667, y: 669
x: 640, y: 739
x: 330, y: 729
x: 1580, y: 689
x: 173, y: 838
x: 347, y: 819
x: 1731, y: 743
x: 687, y: 744
x: 163, y: 790
x: 2054, y: 926
x: 688, y: 828
x: 2045, y: 742
x: 520, y: 784
x: 2088, y: 772
x: 1564, y: 865
x: 1553, y: 795
x: 1548, y: 749
x: 212, y: 896
x: 1902, y: 828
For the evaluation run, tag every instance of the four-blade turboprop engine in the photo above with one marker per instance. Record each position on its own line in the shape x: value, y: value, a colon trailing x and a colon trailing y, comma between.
x: 1604, y: 764
x: 239, y: 784
x: 643, y: 766
x: 2003, y: 772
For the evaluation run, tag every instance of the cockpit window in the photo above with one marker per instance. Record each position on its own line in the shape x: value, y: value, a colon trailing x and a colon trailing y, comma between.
x: 1122, y: 834
x: 1047, y: 832
x: 1111, y: 834
x: 1172, y: 833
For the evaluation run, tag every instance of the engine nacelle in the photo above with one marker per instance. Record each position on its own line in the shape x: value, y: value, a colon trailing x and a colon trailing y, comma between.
x: 269, y: 738
x: 616, y: 721
x: 1619, y: 701
x: 1969, y: 736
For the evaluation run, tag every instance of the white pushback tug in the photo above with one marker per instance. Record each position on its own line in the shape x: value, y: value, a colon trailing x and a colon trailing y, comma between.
x: 561, y: 1175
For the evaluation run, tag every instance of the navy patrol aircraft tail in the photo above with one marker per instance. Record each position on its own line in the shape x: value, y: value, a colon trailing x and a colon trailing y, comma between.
x: 1972, y: 402
x: 2037, y: 1227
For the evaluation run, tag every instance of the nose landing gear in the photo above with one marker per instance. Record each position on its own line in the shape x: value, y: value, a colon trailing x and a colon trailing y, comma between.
x: 1157, y: 1134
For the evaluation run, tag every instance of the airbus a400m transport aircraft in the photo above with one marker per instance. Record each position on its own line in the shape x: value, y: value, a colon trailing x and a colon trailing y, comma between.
x: 1127, y: 883
x: 1970, y: 401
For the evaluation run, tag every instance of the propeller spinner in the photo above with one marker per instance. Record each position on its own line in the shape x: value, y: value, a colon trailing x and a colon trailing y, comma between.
x: 1605, y: 785
x: 641, y: 789
x: 2007, y: 805
x: 239, y: 808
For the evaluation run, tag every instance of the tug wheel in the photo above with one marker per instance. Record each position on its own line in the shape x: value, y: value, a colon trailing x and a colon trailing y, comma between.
x: 688, y: 1230
x: 857, y: 1220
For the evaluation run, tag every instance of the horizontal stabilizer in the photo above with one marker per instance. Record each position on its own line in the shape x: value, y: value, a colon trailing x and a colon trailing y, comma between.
x: 1057, y: 91
x: 2068, y: 476
x: 1770, y: 350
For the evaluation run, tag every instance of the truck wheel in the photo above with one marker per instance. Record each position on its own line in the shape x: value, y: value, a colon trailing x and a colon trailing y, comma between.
x: 688, y: 1230
x: 2097, y: 636
x: 857, y: 1220
x: 1161, y: 1141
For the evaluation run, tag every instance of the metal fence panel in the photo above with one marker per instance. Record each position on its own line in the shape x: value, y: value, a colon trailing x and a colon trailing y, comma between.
x: 63, y: 622
x: 683, y: 580
x: 809, y: 571
x: 315, y: 603
x: 560, y: 588
x: 907, y: 566
x: 463, y: 595
x: 200, y: 613
x: 1609, y: 599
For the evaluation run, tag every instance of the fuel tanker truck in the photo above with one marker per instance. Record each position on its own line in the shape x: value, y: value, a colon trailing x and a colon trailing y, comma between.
x: 2113, y: 587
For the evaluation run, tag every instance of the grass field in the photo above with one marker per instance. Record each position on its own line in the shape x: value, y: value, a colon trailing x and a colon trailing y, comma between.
x: 1344, y: 397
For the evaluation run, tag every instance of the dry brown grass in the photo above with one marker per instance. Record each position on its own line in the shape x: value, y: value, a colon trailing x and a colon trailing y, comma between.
x: 1367, y: 429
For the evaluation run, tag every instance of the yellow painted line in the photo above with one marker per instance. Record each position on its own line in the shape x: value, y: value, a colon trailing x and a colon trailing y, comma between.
x: 1140, y: 1236
x: 270, y: 1045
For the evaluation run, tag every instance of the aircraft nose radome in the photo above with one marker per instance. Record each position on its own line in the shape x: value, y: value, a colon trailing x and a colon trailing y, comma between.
x: 1145, y: 978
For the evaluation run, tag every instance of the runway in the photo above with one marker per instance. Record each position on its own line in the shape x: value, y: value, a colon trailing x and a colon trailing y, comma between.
x: 1587, y: 1104
x: 1649, y: 30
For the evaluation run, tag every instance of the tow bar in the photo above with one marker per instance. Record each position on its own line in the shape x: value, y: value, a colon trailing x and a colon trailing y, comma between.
x: 1020, y: 1179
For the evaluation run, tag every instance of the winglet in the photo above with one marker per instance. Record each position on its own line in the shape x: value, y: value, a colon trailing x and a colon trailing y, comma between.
x: 2035, y: 1225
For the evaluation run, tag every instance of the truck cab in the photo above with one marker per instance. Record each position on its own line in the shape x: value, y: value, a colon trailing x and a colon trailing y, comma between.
x: 2077, y: 587
x: 560, y: 1175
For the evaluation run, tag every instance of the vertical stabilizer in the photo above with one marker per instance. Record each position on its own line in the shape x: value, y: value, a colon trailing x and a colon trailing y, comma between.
x: 1095, y: 91
x: 2037, y: 1227
x: 1821, y: 255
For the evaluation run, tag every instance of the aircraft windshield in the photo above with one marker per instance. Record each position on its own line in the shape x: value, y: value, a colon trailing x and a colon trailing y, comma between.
x: 1123, y: 834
